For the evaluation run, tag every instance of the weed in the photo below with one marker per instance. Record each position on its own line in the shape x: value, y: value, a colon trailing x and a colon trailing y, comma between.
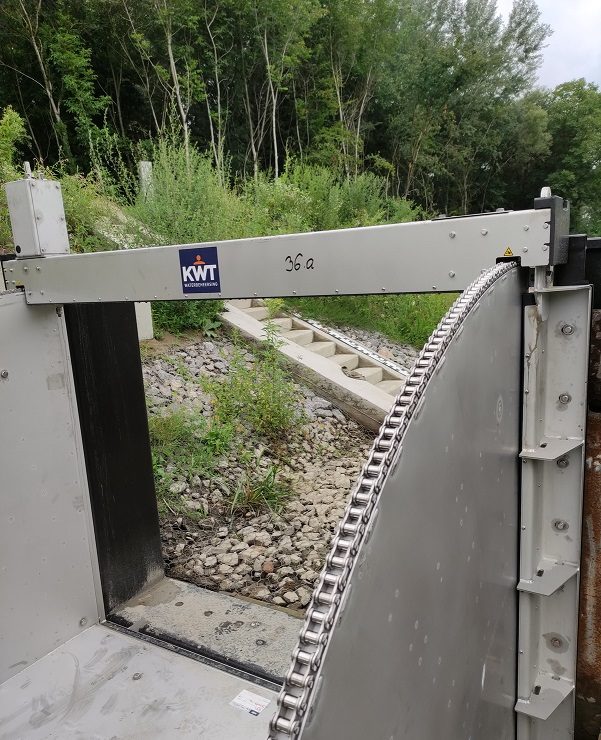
x: 409, y: 319
x: 257, y: 489
x: 177, y: 317
x: 274, y: 306
x: 184, y: 445
x: 262, y: 395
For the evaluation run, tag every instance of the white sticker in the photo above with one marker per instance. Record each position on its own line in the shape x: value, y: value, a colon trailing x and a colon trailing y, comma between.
x: 249, y: 702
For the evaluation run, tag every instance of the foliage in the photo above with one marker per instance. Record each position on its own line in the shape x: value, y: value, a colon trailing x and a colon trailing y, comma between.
x: 176, y: 317
x: 12, y: 133
x: 434, y: 97
x: 257, y: 488
x: 184, y: 445
x: 260, y: 395
x: 403, y: 318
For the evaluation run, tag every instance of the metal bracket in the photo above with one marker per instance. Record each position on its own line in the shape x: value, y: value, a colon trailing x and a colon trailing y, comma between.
x: 556, y: 343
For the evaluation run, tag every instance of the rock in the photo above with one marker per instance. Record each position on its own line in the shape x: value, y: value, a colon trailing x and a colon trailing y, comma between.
x: 228, y: 558
x: 268, y: 566
x: 178, y: 487
x: 179, y: 547
x: 252, y: 553
x: 291, y: 597
x: 210, y: 561
x: 279, y: 601
x: 225, y: 569
x: 304, y: 595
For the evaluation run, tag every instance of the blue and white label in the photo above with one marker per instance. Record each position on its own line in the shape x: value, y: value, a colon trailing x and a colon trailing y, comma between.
x: 200, y: 270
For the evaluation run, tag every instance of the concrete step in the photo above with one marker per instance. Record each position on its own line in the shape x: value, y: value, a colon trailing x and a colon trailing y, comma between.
x: 299, y: 336
x: 372, y: 375
x: 242, y: 303
x: 348, y: 362
x: 392, y: 387
x: 325, y: 349
x: 285, y: 324
x: 257, y: 312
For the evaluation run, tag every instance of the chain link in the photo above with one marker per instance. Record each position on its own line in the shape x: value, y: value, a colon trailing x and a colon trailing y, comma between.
x: 297, y: 694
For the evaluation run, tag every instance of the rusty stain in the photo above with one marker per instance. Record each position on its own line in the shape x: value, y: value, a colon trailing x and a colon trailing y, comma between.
x: 588, y: 674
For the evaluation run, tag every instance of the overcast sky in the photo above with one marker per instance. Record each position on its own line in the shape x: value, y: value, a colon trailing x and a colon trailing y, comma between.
x: 574, y: 49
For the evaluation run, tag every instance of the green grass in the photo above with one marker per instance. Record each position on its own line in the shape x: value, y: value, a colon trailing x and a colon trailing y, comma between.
x: 262, y: 395
x: 184, y: 445
x: 408, y: 319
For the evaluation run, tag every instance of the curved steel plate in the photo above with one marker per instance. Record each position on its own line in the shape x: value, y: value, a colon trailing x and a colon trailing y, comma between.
x: 426, y: 645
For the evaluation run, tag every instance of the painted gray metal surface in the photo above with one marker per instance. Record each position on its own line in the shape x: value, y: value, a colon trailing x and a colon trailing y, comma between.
x: 103, y: 684
x: 37, y: 217
x: 252, y: 635
x: 426, y: 645
x: 426, y: 256
x: 47, y: 570
x: 556, y: 342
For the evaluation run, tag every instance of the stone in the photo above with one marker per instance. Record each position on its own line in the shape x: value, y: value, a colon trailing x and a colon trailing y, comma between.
x: 279, y: 601
x: 178, y: 487
x: 210, y: 561
x: 228, y: 558
x: 268, y: 566
x: 291, y: 597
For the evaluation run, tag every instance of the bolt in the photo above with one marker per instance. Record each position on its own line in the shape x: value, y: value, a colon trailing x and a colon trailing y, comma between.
x: 564, y: 398
x: 4, y: 374
x: 260, y: 642
x: 26, y: 269
x: 136, y: 677
x: 451, y: 273
x: 546, y: 225
x: 452, y: 234
x: 484, y: 232
x: 560, y: 525
x: 83, y: 621
x: 563, y: 462
x: 545, y: 247
x: 526, y: 228
x: 38, y: 269
x: 525, y: 249
x: 556, y: 642
x: 567, y: 329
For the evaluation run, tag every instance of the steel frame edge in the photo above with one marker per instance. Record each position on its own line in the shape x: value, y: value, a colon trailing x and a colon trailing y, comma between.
x: 556, y: 347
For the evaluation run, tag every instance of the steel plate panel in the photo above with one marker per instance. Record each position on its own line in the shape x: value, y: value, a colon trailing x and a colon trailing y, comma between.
x: 47, y: 561
x: 426, y: 645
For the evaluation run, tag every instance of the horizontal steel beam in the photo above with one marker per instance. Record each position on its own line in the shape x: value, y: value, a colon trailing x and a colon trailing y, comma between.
x: 421, y: 257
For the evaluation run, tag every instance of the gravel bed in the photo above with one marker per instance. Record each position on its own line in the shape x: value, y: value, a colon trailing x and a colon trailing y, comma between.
x: 267, y: 556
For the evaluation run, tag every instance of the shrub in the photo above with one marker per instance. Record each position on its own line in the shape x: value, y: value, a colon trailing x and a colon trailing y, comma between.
x: 177, y: 317
x: 262, y: 395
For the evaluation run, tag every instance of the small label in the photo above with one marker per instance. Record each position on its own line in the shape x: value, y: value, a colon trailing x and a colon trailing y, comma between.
x: 249, y: 702
x: 199, y: 270
x: 508, y: 252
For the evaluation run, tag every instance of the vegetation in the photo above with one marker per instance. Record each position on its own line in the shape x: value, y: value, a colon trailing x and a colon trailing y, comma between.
x: 434, y: 96
x: 260, y: 395
x: 409, y: 319
x: 184, y: 445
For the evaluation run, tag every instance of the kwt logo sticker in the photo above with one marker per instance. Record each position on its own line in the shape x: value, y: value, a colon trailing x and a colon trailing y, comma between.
x: 200, y: 270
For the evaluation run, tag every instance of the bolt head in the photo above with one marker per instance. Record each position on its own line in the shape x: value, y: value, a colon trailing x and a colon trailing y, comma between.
x: 452, y: 273
x: 484, y: 232
x: 4, y: 374
x: 556, y: 642
x: 567, y: 329
x: 83, y: 621
x: 564, y: 398
x: 452, y: 234
x: 560, y: 525
x: 563, y: 462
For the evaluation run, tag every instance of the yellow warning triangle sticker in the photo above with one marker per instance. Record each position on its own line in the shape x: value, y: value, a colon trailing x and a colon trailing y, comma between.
x: 508, y: 252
